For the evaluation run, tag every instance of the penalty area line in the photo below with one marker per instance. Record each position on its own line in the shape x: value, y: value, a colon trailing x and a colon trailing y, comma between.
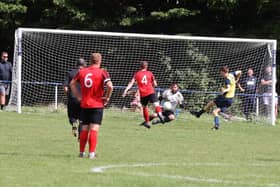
x: 102, y: 169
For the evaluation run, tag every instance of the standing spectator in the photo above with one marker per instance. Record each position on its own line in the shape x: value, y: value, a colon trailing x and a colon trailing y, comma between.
x: 266, y: 84
x: 92, y: 81
x: 248, y: 86
x: 73, y: 105
x: 146, y: 82
x: 5, y: 78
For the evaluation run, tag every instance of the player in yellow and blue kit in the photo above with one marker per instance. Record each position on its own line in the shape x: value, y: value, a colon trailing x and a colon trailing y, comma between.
x: 224, y: 100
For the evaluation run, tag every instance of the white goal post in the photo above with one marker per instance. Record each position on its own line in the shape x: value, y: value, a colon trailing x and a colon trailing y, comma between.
x: 43, y: 56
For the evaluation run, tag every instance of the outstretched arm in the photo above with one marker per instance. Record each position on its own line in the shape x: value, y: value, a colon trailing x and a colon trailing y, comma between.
x: 130, y: 84
x: 238, y: 75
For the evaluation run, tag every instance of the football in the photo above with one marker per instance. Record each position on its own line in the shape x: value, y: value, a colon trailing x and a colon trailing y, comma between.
x: 167, y: 105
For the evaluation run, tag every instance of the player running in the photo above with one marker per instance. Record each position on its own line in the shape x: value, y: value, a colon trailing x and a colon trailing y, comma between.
x: 73, y: 105
x: 172, y: 98
x: 146, y: 82
x: 92, y: 80
x: 224, y: 100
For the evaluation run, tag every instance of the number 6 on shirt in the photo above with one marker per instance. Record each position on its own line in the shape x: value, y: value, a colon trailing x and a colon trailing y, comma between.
x: 88, y: 81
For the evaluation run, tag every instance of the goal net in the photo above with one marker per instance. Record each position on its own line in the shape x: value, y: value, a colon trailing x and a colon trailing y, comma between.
x: 43, y: 56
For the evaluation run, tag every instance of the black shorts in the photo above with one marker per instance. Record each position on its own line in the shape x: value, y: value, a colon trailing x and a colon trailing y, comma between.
x: 92, y: 115
x: 73, y: 110
x: 149, y: 98
x: 167, y: 113
x: 223, y: 103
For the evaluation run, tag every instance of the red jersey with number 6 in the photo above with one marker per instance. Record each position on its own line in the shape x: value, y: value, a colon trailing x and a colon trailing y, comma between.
x: 145, y: 80
x: 92, y: 81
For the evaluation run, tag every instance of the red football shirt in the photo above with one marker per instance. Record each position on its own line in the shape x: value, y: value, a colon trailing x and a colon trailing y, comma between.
x: 92, y: 82
x: 145, y: 79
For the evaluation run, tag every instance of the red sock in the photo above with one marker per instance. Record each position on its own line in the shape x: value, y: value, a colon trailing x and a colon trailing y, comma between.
x: 83, y: 140
x: 158, y: 109
x: 92, y: 140
x: 146, y: 114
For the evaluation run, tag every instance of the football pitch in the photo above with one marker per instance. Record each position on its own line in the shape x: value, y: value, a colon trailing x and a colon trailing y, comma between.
x: 37, y: 149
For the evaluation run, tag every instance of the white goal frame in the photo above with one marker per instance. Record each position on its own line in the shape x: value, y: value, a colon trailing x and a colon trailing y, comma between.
x: 18, y: 53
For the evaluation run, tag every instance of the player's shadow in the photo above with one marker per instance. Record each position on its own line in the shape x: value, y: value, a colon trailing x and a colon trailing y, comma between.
x: 38, y: 155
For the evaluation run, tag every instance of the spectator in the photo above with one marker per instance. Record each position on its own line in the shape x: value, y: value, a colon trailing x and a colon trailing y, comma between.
x: 266, y: 84
x: 248, y: 86
x: 5, y: 78
x: 73, y: 105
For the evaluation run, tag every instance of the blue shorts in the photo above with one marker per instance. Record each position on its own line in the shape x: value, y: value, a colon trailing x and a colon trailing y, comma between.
x: 223, y: 103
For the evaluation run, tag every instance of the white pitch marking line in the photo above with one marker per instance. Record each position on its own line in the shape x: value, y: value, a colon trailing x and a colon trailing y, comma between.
x: 101, y: 169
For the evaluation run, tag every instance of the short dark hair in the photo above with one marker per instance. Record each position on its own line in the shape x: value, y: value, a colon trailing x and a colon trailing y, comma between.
x: 144, y: 64
x: 224, y: 69
x: 81, y: 62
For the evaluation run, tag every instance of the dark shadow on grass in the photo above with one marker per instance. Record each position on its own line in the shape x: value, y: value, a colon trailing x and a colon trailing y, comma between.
x: 38, y: 155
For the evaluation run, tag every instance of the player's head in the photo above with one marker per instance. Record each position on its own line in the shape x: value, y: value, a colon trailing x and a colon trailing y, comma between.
x: 95, y: 59
x: 224, y: 71
x: 4, y: 56
x: 250, y: 72
x: 174, y: 87
x: 144, y: 65
x: 81, y: 63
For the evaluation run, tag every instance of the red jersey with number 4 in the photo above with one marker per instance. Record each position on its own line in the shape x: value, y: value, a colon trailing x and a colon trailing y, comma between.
x: 92, y: 82
x: 145, y: 80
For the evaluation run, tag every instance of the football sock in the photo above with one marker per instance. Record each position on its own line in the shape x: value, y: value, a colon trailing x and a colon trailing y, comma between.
x: 158, y: 109
x: 2, y: 107
x: 92, y: 140
x: 83, y: 140
x: 146, y: 114
x: 217, y: 121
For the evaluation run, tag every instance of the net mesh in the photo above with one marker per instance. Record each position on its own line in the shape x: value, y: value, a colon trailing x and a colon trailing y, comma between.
x: 192, y: 63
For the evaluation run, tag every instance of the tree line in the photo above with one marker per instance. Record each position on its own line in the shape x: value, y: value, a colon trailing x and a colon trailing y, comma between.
x: 221, y: 18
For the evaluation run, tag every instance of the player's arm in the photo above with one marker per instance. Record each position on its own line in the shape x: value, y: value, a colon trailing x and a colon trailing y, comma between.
x: 109, y: 90
x: 240, y: 87
x: 74, y: 88
x: 130, y: 84
x: 66, y: 84
x: 227, y: 87
x: 181, y: 100
x: 264, y: 82
x: 237, y: 75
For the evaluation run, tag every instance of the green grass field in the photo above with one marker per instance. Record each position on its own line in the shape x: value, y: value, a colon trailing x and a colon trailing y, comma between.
x: 37, y: 149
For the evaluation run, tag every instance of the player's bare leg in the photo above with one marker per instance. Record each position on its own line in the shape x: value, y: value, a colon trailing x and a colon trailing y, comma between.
x: 216, y: 119
x: 205, y: 109
x: 92, y: 139
x: 2, y: 100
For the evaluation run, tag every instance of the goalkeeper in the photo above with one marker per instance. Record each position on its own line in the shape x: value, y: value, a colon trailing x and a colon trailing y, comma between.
x: 171, y: 99
x: 224, y: 100
x: 73, y: 105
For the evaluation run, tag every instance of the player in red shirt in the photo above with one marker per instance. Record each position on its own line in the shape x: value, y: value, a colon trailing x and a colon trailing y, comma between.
x: 92, y: 80
x: 146, y: 82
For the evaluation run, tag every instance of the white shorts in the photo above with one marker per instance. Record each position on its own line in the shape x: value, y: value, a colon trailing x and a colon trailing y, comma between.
x: 267, y: 98
x: 4, y: 89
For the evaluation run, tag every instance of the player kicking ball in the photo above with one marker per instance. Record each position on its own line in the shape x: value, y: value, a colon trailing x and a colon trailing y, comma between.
x: 146, y: 83
x: 224, y: 100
